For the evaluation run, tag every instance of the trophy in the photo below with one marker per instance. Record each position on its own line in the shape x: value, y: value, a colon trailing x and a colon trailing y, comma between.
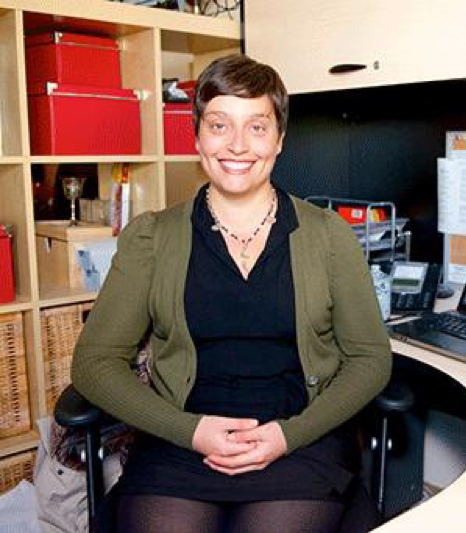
x: 73, y: 189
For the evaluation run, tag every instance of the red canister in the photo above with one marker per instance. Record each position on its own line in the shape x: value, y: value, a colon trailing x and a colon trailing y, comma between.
x: 7, y: 285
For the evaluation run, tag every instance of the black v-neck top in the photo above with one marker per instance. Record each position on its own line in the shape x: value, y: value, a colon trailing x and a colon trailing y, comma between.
x: 244, y: 330
x: 248, y: 365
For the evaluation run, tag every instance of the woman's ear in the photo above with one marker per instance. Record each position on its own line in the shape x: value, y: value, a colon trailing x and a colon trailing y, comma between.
x: 280, y: 144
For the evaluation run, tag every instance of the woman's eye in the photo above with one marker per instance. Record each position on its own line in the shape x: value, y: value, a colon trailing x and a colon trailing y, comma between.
x: 258, y: 128
x: 217, y: 127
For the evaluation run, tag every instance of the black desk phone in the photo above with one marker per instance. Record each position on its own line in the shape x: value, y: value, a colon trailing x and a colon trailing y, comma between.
x: 414, y: 286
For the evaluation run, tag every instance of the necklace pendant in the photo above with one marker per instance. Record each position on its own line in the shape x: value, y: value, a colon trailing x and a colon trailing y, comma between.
x: 215, y: 227
x: 244, y: 254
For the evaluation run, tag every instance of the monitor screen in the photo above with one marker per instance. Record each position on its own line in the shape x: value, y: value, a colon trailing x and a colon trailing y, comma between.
x: 462, y: 304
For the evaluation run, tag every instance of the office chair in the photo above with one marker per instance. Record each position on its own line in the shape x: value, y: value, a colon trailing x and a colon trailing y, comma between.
x: 73, y: 411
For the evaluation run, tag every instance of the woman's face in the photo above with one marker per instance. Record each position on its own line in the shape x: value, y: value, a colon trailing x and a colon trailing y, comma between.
x: 238, y: 142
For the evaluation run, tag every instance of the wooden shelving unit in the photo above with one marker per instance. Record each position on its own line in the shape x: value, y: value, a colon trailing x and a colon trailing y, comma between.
x: 155, y: 43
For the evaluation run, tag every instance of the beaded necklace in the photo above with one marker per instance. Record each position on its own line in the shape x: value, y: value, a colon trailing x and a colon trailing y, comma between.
x: 218, y: 226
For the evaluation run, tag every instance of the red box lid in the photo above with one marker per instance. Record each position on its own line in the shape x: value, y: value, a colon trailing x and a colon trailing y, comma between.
x: 59, y: 37
x: 172, y: 107
x: 58, y: 89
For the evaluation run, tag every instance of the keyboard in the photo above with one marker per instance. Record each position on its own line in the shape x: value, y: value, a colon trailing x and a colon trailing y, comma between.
x: 446, y: 323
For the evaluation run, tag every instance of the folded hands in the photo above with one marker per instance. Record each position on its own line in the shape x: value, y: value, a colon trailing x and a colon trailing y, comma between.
x: 238, y: 445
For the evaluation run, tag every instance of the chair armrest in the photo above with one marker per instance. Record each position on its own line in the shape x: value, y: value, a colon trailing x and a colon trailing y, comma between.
x: 73, y: 410
x: 397, y: 397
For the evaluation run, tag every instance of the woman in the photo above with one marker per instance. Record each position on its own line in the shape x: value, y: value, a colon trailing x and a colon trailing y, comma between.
x: 266, y: 333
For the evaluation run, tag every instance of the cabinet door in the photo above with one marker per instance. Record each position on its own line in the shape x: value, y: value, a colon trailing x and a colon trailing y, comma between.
x: 392, y: 42
x: 423, y: 40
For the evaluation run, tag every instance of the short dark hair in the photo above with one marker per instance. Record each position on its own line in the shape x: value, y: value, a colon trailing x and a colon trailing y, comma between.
x: 239, y: 75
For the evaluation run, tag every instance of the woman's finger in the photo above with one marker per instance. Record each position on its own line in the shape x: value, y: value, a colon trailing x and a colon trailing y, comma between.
x: 251, y: 457
x: 239, y: 470
x: 238, y: 424
x: 231, y: 449
x: 246, y: 435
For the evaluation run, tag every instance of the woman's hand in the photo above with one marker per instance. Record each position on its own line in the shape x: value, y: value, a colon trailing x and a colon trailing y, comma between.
x: 211, y: 436
x: 269, y: 444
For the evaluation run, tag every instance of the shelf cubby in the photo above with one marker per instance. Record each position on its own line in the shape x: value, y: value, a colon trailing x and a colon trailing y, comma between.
x: 147, y: 191
x: 14, y: 211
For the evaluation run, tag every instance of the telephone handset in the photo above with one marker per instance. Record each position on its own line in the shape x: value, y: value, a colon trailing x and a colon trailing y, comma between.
x: 414, y: 286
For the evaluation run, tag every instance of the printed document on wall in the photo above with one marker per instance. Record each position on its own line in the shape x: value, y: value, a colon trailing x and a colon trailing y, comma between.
x: 451, y: 196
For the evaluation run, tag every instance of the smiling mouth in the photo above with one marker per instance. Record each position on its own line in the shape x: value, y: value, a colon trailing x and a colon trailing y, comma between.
x: 236, y: 166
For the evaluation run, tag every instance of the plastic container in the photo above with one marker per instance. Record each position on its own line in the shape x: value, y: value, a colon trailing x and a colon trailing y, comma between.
x: 382, y: 286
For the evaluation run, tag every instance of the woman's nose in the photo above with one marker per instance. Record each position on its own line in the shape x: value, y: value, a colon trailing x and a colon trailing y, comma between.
x: 238, y: 142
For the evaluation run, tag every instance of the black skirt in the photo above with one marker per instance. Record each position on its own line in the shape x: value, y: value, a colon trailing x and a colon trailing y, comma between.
x: 320, y: 471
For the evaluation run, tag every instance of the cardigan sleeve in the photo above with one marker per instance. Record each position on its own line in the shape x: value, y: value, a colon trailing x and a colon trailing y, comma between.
x: 109, y: 342
x: 360, y: 338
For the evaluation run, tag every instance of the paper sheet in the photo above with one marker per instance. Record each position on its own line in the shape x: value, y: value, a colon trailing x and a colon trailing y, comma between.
x: 95, y: 258
x: 451, y: 196
x: 457, y: 273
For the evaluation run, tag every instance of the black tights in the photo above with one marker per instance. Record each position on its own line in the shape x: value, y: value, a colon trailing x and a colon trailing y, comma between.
x: 164, y: 514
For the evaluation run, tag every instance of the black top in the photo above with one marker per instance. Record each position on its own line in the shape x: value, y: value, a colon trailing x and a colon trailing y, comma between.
x: 244, y: 330
x: 248, y: 366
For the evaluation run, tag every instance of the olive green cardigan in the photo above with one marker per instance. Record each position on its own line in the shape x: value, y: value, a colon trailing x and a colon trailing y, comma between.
x: 342, y: 342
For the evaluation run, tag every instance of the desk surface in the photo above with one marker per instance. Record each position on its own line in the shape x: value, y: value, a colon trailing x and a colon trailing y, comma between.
x: 447, y: 510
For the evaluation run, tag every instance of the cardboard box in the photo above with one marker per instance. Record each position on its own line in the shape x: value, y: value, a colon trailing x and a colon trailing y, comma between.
x: 56, y: 243
x: 80, y: 120
x: 178, y: 129
x: 72, y: 58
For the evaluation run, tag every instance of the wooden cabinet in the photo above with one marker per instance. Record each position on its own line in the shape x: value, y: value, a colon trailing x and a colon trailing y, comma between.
x: 396, y: 42
x: 154, y: 43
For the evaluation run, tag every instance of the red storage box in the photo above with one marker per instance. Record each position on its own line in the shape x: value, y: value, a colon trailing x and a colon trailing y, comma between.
x: 78, y: 120
x: 7, y: 285
x: 178, y: 129
x: 72, y: 58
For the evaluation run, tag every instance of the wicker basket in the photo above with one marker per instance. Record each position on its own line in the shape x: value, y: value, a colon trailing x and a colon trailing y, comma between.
x: 14, y: 403
x: 60, y: 327
x: 15, y: 468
